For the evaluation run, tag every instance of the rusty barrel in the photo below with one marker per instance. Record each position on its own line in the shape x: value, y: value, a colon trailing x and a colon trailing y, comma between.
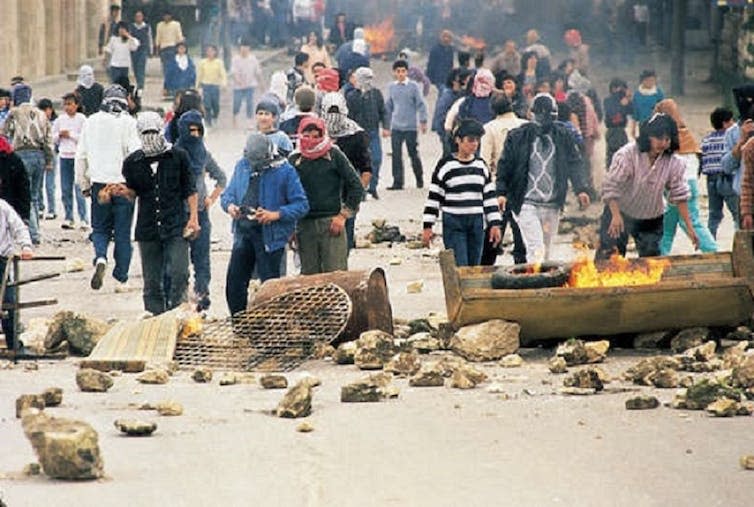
x: 367, y: 290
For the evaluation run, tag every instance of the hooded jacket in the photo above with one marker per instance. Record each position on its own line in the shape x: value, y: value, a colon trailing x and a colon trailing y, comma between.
x: 200, y: 159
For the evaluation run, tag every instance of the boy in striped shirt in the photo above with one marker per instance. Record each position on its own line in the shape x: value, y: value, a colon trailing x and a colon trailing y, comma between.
x: 462, y: 188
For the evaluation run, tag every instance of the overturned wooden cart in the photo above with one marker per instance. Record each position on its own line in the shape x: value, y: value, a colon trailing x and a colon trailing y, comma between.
x: 695, y: 290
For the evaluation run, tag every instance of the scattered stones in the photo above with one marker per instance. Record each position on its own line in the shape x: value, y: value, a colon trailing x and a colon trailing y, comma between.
x: 689, y: 338
x: 271, y: 381
x: 642, y: 403
x: 169, y: 408
x: 423, y: 342
x: 512, y: 361
x: 345, y: 352
x: 488, y: 341
x: 305, y: 427
x: 404, y: 364
x: 654, y: 340
x: 415, y: 287
x: 587, y: 378
x: 373, y: 349
x: 557, y: 365
x: 53, y: 396
x: 135, y: 428
x: 747, y: 462
x: 576, y: 352
x: 664, y: 378
x: 640, y: 373
x: 297, y: 402
x: 67, y: 449
x: 81, y: 332
x: 94, y: 381
x: 743, y: 374
x: 26, y: 402
x: 723, y: 407
x: 228, y: 379
x: 155, y: 376
x: 429, y: 375
x: 202, y: 375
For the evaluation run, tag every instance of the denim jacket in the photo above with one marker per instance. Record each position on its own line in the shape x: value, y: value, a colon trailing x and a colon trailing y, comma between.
x: 279, y: 190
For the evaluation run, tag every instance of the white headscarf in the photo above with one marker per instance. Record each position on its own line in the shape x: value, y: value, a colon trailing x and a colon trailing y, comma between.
x: 86, y: 76
x: 335, y: 113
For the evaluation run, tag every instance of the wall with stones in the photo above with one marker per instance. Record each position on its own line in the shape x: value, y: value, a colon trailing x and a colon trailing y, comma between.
x: 48, y: 37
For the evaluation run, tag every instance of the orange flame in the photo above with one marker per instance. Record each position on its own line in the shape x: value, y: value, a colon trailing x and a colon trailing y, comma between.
x: 473, y: 42
x: 618, y: 272
x: 381, y: 37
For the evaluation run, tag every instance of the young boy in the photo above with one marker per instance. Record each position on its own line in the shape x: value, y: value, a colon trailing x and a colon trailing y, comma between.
x: 719, y: 185
x: 617, y: 113
x: 66, y: 130
x: 647, y: 95
x: 267, y: 113
x: 246, y: 74
x: 404, y: 104
x: 462, y: 188
x: 13, y: 232
x: 45, y: 105
x: 210, y: 77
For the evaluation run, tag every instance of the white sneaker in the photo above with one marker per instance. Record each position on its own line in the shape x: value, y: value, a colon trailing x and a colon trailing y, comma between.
x: 123, y: 287
x: 67, y: 224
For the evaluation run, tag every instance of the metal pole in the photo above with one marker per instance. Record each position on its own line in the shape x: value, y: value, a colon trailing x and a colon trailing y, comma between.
x: 225, y: 33
x: 677, y: 66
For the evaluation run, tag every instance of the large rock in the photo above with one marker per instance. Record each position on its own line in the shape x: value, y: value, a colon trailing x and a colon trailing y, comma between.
x: 689, y: 338
x: 297, y: 402
x: 512, y: 361
x: 430, y: 375
x: 25, y: 402
x: 641, y: 372
x: 704, y: 392
x: 81, y: 332
x: 93, y: 381
x: 67, y: 449
x: 404, y: 364
x: 577, y: 352
x: 345, y: 352
x: 156, y: 376
x: 271, y: 381
x: 587, y: 378
x: 373, y: 349
x: 723, y: 407
x: 135, y: 428
x: 362, y: 391
x: 488, y: 341
x: 743, y: 374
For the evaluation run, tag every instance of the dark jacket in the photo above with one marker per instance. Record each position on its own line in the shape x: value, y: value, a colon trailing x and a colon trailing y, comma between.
x: 144, y: 36
x: 90, y: 98
x: 279, y: 190
x: 163, y: 211
x: 513, y: 167
x: 325, y: 180
x: 335, y: 37
x: 14, y: 184
x: 440, y: 64
x: 349, y: 61
x: 367, y: 109
x: 356, y: 148
x: 616, y: 114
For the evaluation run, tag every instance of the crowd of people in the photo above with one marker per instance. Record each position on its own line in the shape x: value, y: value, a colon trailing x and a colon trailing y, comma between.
x: 516, y: 132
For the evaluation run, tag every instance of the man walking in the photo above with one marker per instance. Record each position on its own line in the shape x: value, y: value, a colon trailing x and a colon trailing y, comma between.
x: 168, y: 35
x: 143, y: 33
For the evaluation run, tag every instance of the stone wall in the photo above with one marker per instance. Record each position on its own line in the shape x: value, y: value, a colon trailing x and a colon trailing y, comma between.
x: 48, y: 37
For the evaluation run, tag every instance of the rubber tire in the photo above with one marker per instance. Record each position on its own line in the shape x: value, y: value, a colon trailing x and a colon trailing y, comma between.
x: 555, y: 275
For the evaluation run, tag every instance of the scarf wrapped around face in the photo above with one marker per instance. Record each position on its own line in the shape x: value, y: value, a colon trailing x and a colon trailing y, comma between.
x: 364, y: 77
x: 149, y: 125
x: 86, y: 76
x: 335, y: 114
x: 194, y: 145
x: 312, y: 149
x: 484, y: 83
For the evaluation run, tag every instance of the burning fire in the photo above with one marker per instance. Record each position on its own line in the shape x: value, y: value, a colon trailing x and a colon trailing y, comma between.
x: 381, y: 37
x: 618, y: 272
x: 473, y: 43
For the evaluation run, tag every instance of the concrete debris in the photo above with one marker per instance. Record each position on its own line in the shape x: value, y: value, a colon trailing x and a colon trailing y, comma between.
x: 305, y: 427
x: 488, y: 341
x: 512, y: 361
x: 423, y: 343
x: 429, y: 375
x: 689, y: 338
x: 654, y: 340
x: 27, y: 402
x: 53, y: 396
x: 576, y: 352
x: 297, y: 402
x: 415, y: 287
x: 345, y: 352
x: 135, y: 428
x: 272, y: 381
x: 67, y: 449
x: 642, y: 403
x: 640, y: 373
x: 80, y: 332
x: 743, y: 374
x: 93, y: 381
x: 155, y: 376
x: 747, y: 462
x: 202, y: 375
x: 557, y: 365
x: 373, y: 350
x: 169, y: 408
x: 586, y: 378
x: 404, y: 364
x: 228, y: 379
x: 723, y: 407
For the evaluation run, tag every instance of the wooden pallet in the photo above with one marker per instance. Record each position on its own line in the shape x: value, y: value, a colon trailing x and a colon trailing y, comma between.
x: 131, y: 346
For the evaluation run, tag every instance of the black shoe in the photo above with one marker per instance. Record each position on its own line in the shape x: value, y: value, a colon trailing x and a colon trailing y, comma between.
x: 394, y: 187
x: 373, y: 193
x: 419, y: 184
x: 98, y: 276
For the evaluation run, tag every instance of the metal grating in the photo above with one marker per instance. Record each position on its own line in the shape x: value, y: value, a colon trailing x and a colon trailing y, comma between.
x: 278, y: 335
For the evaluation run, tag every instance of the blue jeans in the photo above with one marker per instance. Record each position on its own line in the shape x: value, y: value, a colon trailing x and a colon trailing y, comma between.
x: 112, y: 221
x: 67, y: 187
x: 248, y: 252
x: 716, y: 202
x: 118, y: 73
x: 166, y: 55
x: 49, y: 184
x: 672, y: 219
x: 375, y: 150
x: 139, y: 62
x: 34, y: 162
x: 464, y: 234
x: 211, y: 94
x: 164, y: 265
x: 240, y: 95
x: 200, y: 255
x: 350, y: 232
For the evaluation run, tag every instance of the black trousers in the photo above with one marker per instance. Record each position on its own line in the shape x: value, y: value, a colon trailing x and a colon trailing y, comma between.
x: 397, y: 138
x: 647, y: 234
x: 490, y: 253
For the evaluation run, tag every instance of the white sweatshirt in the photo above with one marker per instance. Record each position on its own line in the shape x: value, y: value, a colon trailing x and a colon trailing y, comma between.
x: 13, y: 230
x: 73, y: 124
x: 106, y: 140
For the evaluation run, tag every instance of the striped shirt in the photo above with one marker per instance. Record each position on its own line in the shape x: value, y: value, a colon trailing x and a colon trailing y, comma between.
x: 713, y: 149
x: 461, y: 188
x: 639, y: 187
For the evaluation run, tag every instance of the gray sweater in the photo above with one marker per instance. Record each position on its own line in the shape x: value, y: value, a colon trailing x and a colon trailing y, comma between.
x: 216, y: 173
x: 404, y: 102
